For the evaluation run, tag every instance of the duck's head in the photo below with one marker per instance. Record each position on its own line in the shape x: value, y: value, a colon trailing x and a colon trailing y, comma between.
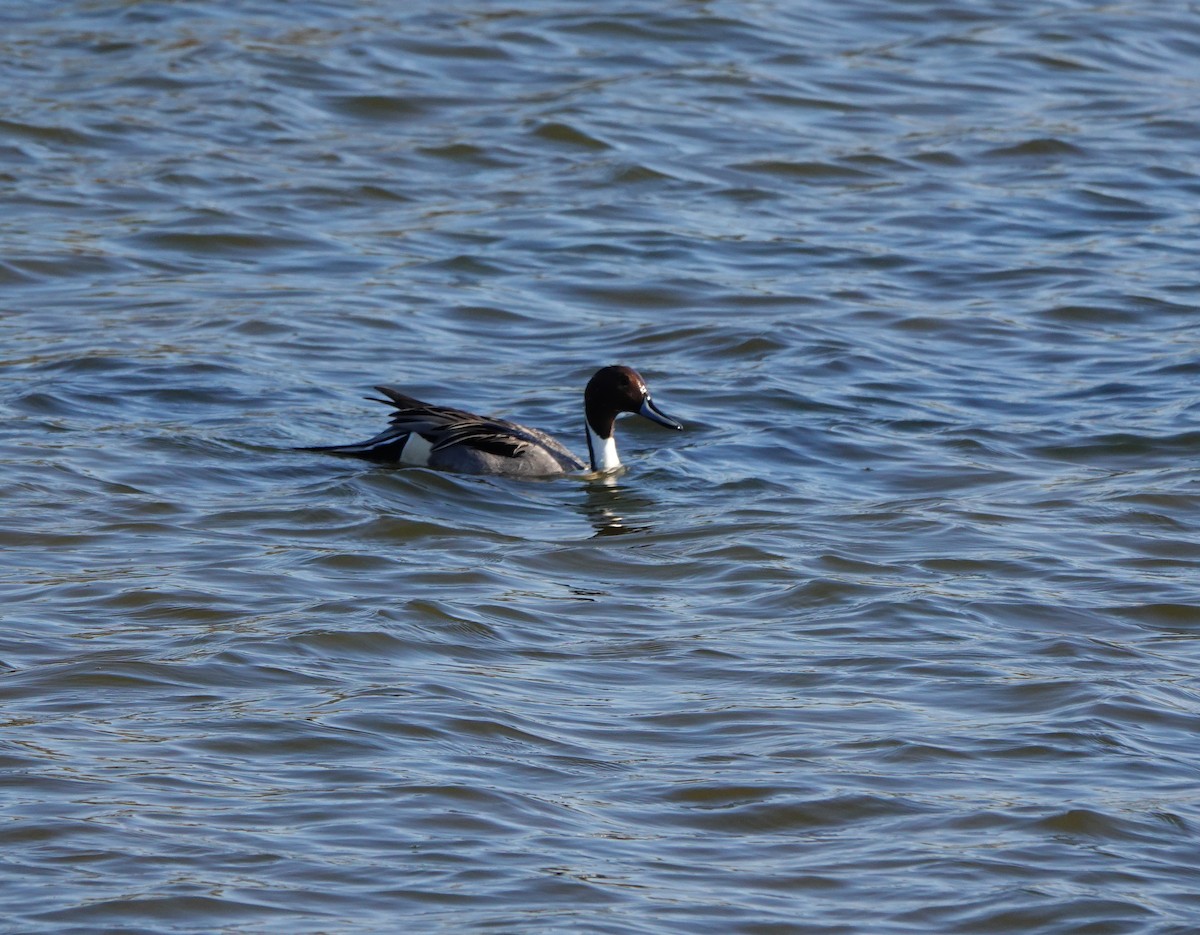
x: 616, y: 389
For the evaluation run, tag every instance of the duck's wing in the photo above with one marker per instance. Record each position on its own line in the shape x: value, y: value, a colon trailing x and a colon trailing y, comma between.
x: 444, y: 427
x: 441, y: 427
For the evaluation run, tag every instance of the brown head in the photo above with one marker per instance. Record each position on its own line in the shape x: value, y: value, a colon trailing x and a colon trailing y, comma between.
x: 616, y: 389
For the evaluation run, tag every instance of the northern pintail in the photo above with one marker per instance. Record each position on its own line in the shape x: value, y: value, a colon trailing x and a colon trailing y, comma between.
x: 425, y: 435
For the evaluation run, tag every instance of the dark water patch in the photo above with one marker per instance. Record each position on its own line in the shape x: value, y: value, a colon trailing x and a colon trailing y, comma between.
x: 228, y: 244
x: 1056, y: 62
x: 563, y: 133
x: 1095, y: 915
x: 176, y: 910
x: 1111, y: 390
x: 74, y: 267
x: 490, y: 317
x: 635, y: 295
x: 1171, y: 128
x: 11, y: 275
x: 47, y: 134
x: 718, y: 810
x: 464, y: 154
x: 1046, y: 149
x: 375, y: 107
x: 1182, y: 617
x: 1091, y: 315
x: 1123, y: 446
x: 465, y: 265
x: 1082, y: 822
x: 640, y: 174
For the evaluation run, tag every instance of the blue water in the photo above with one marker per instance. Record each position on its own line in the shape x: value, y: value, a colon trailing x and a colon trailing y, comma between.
x: 898, y: 636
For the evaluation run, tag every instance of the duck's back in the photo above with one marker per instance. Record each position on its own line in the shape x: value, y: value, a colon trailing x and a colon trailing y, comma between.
x: 425, y: 435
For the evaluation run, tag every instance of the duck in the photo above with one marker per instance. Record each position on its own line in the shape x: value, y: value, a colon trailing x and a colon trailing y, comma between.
x: 422, y: 434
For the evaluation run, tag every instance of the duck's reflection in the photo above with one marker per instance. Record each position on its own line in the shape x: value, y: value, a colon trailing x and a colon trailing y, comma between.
x: 607, y: 504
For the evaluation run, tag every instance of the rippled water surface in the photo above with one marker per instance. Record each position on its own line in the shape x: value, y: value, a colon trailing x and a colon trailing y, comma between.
x: 900, y: 635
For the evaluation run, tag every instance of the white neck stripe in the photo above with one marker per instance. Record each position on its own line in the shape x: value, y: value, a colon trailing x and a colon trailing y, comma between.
x: 603, y: 451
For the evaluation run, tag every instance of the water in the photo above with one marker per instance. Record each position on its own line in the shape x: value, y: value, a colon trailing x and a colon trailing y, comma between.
x: 899, y: 636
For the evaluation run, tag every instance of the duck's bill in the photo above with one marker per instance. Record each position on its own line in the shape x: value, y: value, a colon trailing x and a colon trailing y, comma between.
x: 654, y: 414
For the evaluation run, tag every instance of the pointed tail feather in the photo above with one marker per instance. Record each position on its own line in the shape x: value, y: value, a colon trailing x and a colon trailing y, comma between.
x: 386, y: 448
